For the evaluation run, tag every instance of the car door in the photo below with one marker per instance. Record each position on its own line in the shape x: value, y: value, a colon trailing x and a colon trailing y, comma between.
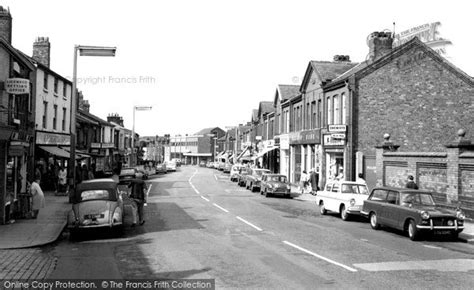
x: 379, y: 200
x: 391, y: 209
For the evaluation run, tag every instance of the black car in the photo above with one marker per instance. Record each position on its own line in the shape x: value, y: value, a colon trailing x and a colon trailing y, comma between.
x: 128, y: 173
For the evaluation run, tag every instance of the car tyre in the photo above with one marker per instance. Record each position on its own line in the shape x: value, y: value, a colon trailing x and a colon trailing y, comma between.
x: 373, y: 221
x: 344, y: 214
x: 413, y: 232
x: 267, y: 194
x: 322, y: 209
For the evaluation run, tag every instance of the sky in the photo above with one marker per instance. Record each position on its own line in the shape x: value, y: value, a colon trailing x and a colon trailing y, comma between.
x: 208, y: 63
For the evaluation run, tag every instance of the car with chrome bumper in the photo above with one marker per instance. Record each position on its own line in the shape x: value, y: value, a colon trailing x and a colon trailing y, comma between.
x: 411, y: 211
x: 97, y: 203
x: 252, y: 180
x: 275, y: 184
x: 343, y: 197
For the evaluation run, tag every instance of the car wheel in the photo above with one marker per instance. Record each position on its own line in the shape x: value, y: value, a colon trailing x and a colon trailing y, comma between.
x: 373, y: 221
x: 73, y: 234
x: 267, y: 194
x: 322, y: 209
x: 413, y: 232
x: 344, y: 214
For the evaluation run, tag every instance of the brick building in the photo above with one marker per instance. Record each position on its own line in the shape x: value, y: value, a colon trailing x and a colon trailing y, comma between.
x: 409, y: 92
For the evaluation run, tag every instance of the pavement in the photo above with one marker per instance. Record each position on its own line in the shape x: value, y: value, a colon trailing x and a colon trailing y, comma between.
x: 28, y: 233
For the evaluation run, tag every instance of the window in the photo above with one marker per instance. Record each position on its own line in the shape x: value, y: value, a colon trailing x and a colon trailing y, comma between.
x: 55, y: 86
x: 337, y: 110
x: 45, y: 81
x: 63, y: 124
x: 392, y: 197
x: 344, y: 109
x: 308, y: 117
x: 64, y: 90
x: 319, y: 123
x: 329, y: 111
x: 313, y: 115
x: 45, y: 113
x: 379, y: 195
x: 55, y: 116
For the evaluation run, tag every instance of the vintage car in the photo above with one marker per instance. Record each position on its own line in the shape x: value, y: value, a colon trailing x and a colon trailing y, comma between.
x: 128, y: 173
x: 170, y: 166
x: 96, y: 203
x: 161, y: 168
x: 234, y: 172
x: 343, y: 197
x: 227, y: 167
x: 241, y: 177
x: 275, y: 184
x: 252, y: 180
x: 412, y: 211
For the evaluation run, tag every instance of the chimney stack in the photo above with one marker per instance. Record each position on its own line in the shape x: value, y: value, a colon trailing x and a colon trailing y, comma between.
x: 5, y: 24
x: 42, y: 50
x: 115, y: 118
x: 380, y: 43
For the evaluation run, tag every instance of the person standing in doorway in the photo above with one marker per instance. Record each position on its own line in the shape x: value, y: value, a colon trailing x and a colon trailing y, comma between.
x: 411, y: 183
x: 37, y: 197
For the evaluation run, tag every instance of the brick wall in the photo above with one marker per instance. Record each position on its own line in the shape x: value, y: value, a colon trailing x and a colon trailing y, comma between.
x: 417, y: 100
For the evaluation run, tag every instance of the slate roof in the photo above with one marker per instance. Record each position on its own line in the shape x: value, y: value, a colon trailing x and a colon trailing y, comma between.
x: 266, y: 107
x: 329, y: 70
x: 254, y: 115
x: 206, y: 131
x: 288, y: 91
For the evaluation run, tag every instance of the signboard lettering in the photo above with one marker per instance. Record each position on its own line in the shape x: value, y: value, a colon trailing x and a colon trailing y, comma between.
x: 17, y: 86
x: 329, y: 141
x: 337, y: 128
x: 52, y: 139
x: 427, y: 33
x: 338, y: 136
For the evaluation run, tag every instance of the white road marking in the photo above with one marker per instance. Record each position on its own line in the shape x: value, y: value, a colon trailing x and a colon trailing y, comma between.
x: 204, y: 198
x: 448, y: 265
x: 250, y: 224
x: 432, y: 247
x: 215, y: 177
x: 320, y: 257
x: 219, y: 207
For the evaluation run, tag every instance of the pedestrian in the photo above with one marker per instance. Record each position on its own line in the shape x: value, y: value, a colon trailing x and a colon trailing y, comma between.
x: 314, y: 180
x: 84, y: 172
x: 38, y: 171
x: 360, y: 179
x: 340, y: 176
x: 37, y: 197
x: 304, y: 181
x: 138, y: 195
x: 116, y: 173
x: 78, y: 173
x: 62, y: 178
x: 90, y: 174
x: 411, y: 183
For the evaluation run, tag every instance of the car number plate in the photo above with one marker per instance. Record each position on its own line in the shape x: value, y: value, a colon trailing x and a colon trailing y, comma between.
x: 443, y: 232
x: 92, y: 216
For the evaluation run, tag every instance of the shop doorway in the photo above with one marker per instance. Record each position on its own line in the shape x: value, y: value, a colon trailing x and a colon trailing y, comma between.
x: 335, y: 164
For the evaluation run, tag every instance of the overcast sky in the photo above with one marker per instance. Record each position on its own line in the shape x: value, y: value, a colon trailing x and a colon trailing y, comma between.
x: 209, y: 63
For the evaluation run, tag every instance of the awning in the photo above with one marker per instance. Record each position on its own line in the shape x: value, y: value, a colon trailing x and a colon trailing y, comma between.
x: 246, y: 150
x: 264, y: 151
x: 198, y: 154
x: 56, y: 151
x: 79, y: 153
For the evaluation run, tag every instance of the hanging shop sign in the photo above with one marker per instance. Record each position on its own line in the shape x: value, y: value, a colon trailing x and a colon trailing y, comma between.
x: 108, y: 145
x: 17, y: 86
x: 337, y: 128
x: 329, y: 141
x: 338, y: 136
x: 285, y: 142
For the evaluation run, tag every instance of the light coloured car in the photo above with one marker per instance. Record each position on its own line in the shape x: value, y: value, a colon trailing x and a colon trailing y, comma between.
x: 275, y: 184
x: 170, y: 166
x: 96, y: 203
x: 234, y: 172
x: 252, y: 180
x: 343, y: 197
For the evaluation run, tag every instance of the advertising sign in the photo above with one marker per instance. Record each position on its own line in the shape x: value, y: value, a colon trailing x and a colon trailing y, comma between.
x: 337, y: 128
x: 338, y: 136
x: 329, y: 141
x: 427, y: 33
x: 17, y: 86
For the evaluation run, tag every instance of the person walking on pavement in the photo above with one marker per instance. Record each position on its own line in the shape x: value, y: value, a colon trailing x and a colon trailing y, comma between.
x: 138, y: 195
x: 360, y: 179
x: 304, y: 181
x: 314, y: 181
x: 411, y: 183
x: 62, y: 179
x: 37, y: 197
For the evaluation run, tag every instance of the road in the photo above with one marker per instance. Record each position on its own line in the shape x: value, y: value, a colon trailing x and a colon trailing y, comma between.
x: 200, y: 225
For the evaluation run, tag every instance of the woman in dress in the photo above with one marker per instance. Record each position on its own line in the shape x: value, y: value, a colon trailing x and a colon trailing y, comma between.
x: 37, y: 197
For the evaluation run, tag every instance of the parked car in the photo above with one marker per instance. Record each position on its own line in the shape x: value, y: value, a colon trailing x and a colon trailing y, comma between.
x: 275, y: 184
x: 128, y: 173
x: 412, y: 211
x: 343, y: 197
x: 170, y: 166
x: 234, y: 172
x: 227, y: 167
x: 202, y: 163
x: 96, y: 203
x: 252, y: 180
x: 241, y: 177
x: 161, y: 168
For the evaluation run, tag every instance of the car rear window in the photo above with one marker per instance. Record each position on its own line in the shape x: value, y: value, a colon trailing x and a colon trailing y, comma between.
x: 354, y: 189
x: 127, y: 171
x: 94, y: 194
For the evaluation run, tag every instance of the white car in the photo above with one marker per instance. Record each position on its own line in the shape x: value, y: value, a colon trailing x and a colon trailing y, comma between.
x: 170, y: 166
x: 343, y: 197
x: 234, y: 172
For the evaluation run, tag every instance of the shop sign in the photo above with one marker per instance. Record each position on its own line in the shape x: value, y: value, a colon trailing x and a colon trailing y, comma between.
x: 305, y: 137
x: 95, y: 145
x: 269, y: 144
x: 285, y: 142
x: 108, y: 145
x: 338, y: 136
x: 17, y: 86
x: 329, y: 141
x: 44, y: 138
x: 337, y: 128
x: 258, y: 138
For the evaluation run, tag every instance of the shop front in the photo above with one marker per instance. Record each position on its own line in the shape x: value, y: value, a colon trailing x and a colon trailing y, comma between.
x: 305, y: 153
x: 334, y: 144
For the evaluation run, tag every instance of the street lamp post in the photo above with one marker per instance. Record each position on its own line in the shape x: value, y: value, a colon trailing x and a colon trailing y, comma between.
x: 136, y: 108
x: 83, y: 51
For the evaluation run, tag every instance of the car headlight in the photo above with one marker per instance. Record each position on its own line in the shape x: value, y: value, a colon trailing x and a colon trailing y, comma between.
x: 450, y: 223
x: 425, y: 215
x: 117, y: 216
x: 352, y: 202
x: 460, y: 215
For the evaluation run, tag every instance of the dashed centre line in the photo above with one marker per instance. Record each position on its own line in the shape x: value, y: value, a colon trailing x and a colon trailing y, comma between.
x: 204, y: 198
x: 320, y: 257
x: 219, y: 207
x: 248, y: 223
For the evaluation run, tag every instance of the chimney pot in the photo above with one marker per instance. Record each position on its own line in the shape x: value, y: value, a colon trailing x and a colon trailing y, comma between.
x: 42, y: 50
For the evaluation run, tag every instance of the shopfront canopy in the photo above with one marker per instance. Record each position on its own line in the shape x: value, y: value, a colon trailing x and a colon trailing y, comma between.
x: 264, y: 151
x: 56, y: 151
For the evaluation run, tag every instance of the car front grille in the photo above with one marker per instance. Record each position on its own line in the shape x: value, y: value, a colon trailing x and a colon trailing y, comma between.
x: 442, y: 221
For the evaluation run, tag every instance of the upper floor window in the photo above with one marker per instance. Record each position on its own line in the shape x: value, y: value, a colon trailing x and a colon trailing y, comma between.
x: 337, y: 109
x: 55, y: 116
x: 64, y: 90
x: 329, y: 111
x: 45, y: 113
x: 63, y: 124
x: 55, y: 85
x: 45, y: 81
x: 319, y: 121
x: 344, y: 108
x: 313, y: 115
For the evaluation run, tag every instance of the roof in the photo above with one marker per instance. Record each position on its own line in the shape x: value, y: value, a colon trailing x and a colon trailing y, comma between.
x: 264, y: 108
x: 17, y: 54
x: 286, y: 92
x: 95, y: 118
x: 207, y: 130
x: 325, y: 70
x: 254, y: 115
x: 105, y: 183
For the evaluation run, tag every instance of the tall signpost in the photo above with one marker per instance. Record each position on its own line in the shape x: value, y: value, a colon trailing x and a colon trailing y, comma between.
x: 83, y: 51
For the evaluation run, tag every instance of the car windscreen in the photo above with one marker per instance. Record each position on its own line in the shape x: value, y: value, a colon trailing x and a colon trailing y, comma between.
x: 417, y: 199
x: 278, y: 178
x: 354, y: 189
x: 94, y: 194
x: 127, y: 172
